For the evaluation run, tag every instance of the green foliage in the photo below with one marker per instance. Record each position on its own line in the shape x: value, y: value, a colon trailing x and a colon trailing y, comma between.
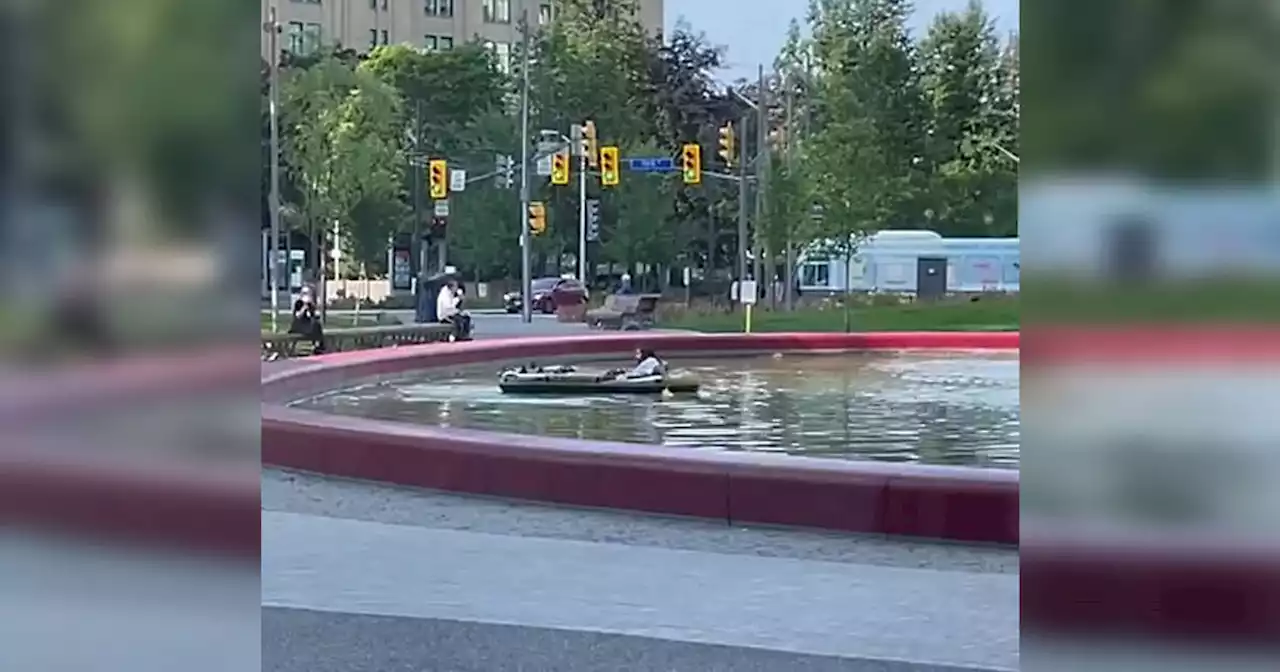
x: 867, y: 126
x: 344, y: 149
x: 969, y: 82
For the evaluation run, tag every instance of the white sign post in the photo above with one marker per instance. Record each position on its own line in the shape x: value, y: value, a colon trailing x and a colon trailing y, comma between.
x: 747, y: 295
x: 442, y: 208
x: 543, y: 167
x: 457, y: 180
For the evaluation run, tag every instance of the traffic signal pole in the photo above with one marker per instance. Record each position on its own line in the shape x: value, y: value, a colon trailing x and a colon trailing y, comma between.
x: 582, y: 209
x: 526, y: 262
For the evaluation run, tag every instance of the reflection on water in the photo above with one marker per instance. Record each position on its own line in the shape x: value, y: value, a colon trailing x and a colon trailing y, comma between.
x: 939, y: 408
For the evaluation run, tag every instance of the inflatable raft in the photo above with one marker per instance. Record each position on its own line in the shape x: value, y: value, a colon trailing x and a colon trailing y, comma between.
x: 565, y: 380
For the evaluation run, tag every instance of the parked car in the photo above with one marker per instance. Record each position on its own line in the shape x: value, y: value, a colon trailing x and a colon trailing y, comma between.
x: 544, y: 292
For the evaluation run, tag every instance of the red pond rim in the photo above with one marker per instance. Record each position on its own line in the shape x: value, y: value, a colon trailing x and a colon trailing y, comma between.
x: 951, y: 503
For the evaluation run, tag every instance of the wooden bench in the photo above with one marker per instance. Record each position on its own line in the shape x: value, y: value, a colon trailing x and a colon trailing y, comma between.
x: 280, y: 346
x: 626, y: 312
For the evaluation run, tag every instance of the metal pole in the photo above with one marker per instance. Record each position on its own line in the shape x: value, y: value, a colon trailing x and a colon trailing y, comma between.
x: 526, y: 262
x: 742, y: 200
x: 415, y: 241
x: 582, y: 215
x: 273, y: 194
x: 761, y: 171
x: 790, y: 274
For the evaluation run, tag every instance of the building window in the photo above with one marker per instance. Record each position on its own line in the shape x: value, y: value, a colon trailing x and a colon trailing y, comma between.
x: 305, y: 2
x: 386, y: 38
x: 502, y: 54
x: 815, y: 275
x: 440, y: 8
x: 544, y: 14
x: 373, y: 37
x: 438, y: 42
x: 294, y: 40
x: 497, y: 11
x: 311, y: 38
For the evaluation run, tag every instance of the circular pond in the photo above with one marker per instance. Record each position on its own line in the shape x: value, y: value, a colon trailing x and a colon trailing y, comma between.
x: 928, y: 407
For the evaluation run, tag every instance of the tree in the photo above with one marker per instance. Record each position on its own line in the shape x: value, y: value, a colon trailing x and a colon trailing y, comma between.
x: 640, y: 226
x: 1181, y: 91
x: 343, y: 149
x: 973, y: 118
x: 866, y: 158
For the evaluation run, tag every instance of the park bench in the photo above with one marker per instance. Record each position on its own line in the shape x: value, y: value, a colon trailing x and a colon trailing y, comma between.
x: 280, y: 346
x: 625, y: 312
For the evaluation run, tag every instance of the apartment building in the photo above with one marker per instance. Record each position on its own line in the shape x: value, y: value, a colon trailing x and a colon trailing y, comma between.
x: 432, y: 24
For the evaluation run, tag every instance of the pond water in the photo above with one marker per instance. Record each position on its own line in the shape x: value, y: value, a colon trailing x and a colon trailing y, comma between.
x: 934, y: 407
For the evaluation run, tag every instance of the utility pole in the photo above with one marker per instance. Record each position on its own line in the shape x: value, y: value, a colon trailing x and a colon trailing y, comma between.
x: 273, y: 193
x: 742, y: 201
x: 415, y: 160
x: 579, y: 139
x: 526, y: 263
x: 790, y: 275
x: 761, y: 171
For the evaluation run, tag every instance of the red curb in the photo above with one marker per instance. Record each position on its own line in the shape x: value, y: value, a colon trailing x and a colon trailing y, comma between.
x: 960, y: 504
x: 1144, y: 345
x: 104, y: 495
x: 137, y: 502
x: 1226, y: 592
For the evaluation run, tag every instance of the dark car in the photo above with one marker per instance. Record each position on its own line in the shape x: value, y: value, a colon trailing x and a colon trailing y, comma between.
x: 544, y: 293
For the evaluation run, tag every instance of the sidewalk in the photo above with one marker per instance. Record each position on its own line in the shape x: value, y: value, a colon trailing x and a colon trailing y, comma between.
x: 395, y: 565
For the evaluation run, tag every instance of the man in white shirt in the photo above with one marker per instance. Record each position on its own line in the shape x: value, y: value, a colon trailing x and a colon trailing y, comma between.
x: 448, y: 310
x: 447, y: 301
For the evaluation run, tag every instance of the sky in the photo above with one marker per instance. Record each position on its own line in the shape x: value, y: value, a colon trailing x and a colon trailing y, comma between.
x: 754, y: 30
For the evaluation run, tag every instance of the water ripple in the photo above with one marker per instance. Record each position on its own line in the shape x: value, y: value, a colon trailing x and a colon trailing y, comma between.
x: 941, y: 408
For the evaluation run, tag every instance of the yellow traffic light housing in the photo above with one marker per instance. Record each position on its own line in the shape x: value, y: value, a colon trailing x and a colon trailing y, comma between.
x: 537, y: 218
x: 691, y: 162
x: 560, y: 168
x: 439, y: 179
x: 590, y: 144
x: 727, y: 142
x: 609, y: 172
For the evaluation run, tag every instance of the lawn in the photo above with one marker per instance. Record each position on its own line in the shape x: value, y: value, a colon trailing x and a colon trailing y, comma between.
x: 985, y: 314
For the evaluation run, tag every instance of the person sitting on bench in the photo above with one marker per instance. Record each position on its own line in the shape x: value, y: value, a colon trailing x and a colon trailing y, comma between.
x: 306, y: 320
x: 449, y: 310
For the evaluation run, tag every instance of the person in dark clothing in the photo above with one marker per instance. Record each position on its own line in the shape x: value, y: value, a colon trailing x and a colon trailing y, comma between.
x: 306, y: 320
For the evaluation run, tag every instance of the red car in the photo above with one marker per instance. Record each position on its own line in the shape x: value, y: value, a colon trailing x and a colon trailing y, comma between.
x: 545, y: 291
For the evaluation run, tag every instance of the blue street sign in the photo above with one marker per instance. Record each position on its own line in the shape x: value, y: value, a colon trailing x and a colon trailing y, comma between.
x: 651, y: 164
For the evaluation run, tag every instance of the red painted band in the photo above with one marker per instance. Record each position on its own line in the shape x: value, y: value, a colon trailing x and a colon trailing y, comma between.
x: 1146, y: 345
x: 133, y: 500
x: 105, y: 495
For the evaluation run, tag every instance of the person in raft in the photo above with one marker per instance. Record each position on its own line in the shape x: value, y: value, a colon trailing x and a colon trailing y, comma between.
x: 647, y: 364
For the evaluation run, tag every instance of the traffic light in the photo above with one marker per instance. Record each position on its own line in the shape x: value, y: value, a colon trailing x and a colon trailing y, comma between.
x: 691, y: 161
x: 726, y: 143
x: 590, y: 145
x: 609, y: 173
x: 504, y: 171
x: 537, y: 218
x: 560, y: 168
x: 439, y: 178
